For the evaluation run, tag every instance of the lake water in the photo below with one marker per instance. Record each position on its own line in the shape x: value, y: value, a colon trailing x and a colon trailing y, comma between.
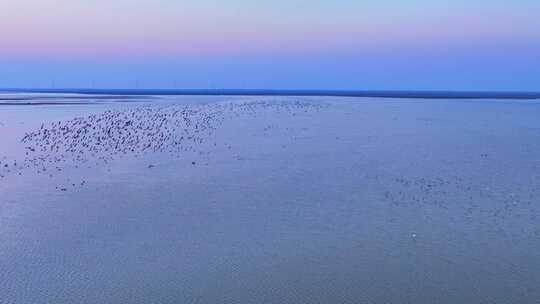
x: 269, y: 200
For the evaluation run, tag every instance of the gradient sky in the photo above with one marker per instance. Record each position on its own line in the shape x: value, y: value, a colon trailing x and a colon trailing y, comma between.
x: 339, y: 44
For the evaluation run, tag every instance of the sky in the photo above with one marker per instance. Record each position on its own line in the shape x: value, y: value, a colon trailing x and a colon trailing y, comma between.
x: 301, y: 44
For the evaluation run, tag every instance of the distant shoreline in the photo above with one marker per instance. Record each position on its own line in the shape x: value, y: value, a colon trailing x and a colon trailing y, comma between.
x: 277, y: 92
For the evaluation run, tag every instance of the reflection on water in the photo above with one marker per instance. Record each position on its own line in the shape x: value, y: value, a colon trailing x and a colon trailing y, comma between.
x: 270, y: 200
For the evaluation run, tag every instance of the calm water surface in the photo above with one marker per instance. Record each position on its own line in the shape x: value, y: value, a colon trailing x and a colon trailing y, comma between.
x: 284, y: 200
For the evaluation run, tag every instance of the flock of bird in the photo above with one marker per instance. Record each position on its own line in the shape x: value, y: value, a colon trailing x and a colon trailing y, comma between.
x: 177, y: 129
x: 456, y: 193
x: 101, y: 138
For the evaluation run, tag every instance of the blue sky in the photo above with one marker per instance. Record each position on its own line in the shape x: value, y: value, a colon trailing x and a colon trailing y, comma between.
x: 341, y: 44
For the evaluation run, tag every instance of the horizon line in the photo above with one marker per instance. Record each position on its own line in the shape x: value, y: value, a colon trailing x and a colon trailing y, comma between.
x: 441, y: 94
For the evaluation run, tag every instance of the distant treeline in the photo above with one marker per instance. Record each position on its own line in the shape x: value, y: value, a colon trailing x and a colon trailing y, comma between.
x: 276, y: 92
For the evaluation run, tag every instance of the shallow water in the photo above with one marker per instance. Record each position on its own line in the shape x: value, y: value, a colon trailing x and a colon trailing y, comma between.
x: 309, y: 200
